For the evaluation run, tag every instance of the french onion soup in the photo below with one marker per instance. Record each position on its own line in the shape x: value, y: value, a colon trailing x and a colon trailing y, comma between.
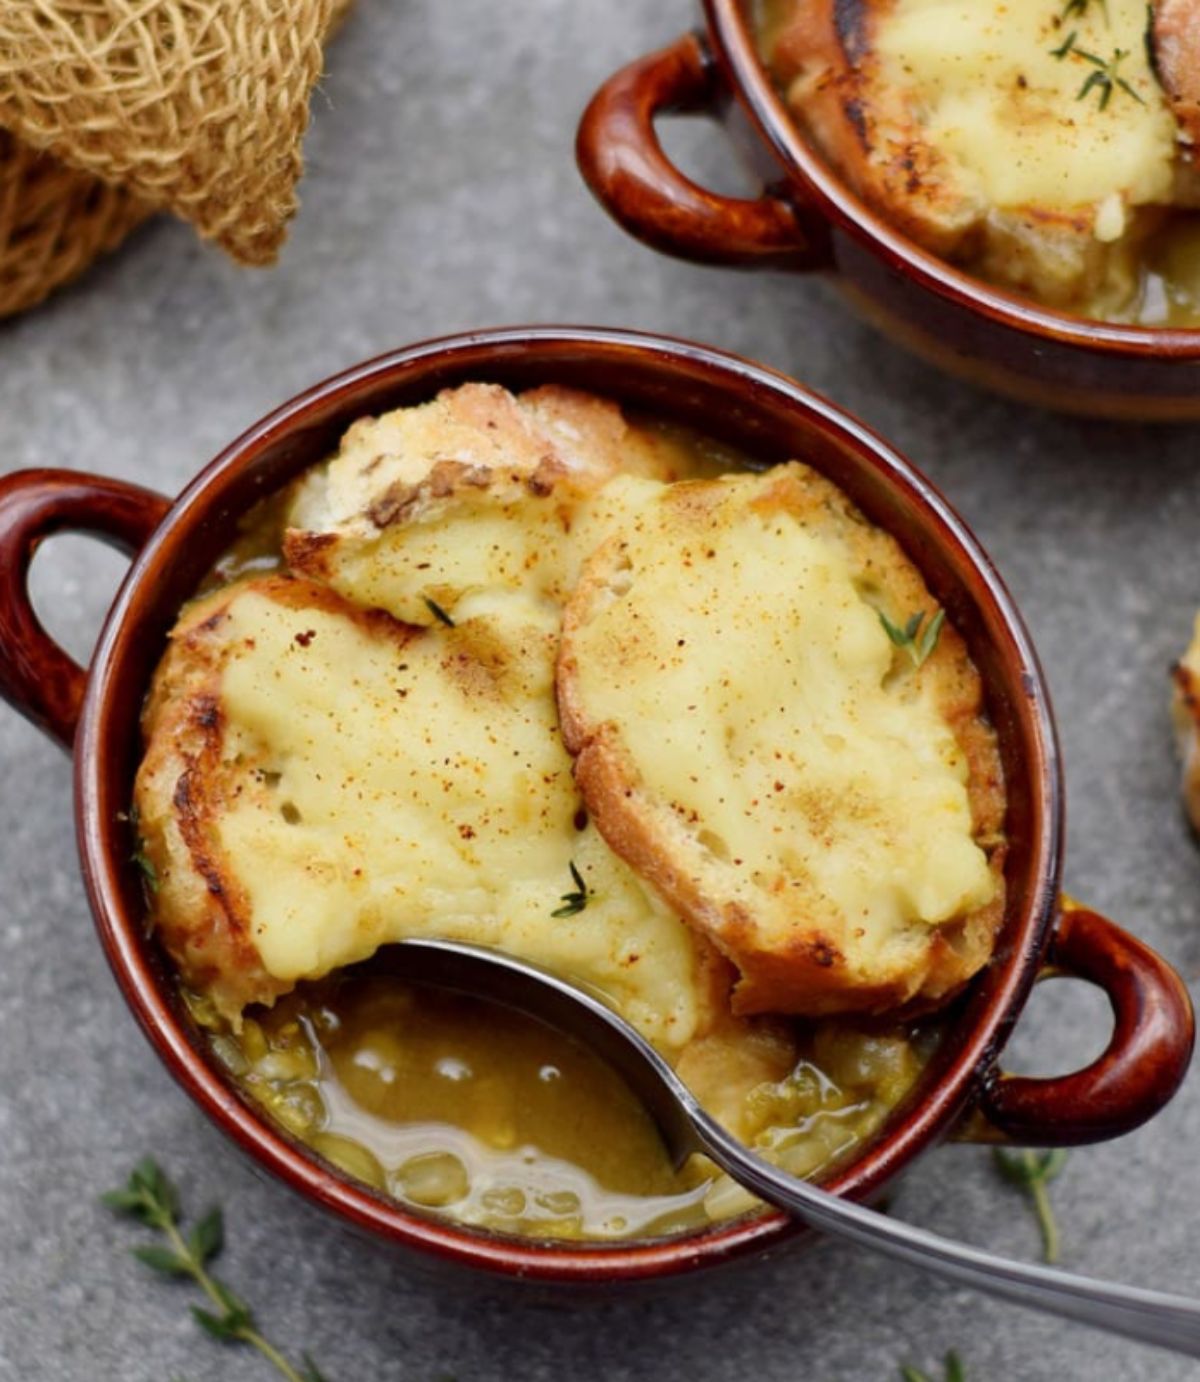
x: 531, y: 673
x: 1046, y: 147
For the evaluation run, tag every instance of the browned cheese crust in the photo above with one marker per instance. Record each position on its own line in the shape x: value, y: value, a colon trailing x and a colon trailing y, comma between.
x: 810, y: 975
x: 186, y: 783
x: 826, y: 61
x: 481, y: 444
x: 870, y: 129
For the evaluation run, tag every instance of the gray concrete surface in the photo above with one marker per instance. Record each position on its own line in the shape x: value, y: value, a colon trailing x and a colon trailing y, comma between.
x: 442, y: 194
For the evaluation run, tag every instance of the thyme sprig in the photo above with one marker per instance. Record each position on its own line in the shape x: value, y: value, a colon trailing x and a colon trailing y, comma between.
x: 918, y: 643
x: 1032, y: 1172
x: 1105, y: 78
x: 955, y: 1372
x: 576, y: 901
x: 150, y: 1198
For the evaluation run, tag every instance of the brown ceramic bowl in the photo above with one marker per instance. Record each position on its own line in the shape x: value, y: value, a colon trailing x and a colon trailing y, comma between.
x: 807, y: 219
x: 769, y: 417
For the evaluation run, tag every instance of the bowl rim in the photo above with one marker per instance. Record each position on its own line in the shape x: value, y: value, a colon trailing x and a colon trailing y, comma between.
x: 122, y: 930
x: 822, y: 189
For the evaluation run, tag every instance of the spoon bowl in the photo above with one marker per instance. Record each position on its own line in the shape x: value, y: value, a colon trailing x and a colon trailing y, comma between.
x: 1152, y: 1317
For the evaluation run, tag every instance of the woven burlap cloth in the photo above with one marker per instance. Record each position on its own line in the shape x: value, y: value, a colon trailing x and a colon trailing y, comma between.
x: 113, y: 109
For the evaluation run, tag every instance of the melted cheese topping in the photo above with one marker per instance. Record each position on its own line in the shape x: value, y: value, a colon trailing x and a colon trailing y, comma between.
x: 756, y: 692
x: 421, y: 788
x: 505, y: 538
x: 994, y: 98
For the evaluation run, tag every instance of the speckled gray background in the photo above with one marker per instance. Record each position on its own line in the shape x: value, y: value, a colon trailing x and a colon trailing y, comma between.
x: 441, y: 195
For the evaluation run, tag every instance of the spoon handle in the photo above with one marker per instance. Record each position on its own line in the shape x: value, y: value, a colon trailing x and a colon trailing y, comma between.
x: 1151, y: 1317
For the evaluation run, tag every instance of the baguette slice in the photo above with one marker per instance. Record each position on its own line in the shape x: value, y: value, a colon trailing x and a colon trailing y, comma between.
x: 478, y: 491
x: 320, y: 780
x: 1175, y: 31
x: 750, y: 740
x: 965, y: 124
x: 1185, y: 715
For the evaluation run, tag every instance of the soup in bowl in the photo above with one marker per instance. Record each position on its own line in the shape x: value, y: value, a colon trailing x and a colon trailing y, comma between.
x: 511, y: 638
x: 1010, y: 191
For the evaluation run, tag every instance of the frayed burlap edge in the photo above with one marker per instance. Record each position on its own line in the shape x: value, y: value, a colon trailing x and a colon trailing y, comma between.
x: 56, y: 220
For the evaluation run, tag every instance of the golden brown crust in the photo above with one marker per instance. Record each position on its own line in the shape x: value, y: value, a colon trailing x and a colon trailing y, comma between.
x: 825, y: 58
x: 186, y: 782
x: 1185, y: 712
x: 809, y: 975
x: 1176, y: 48
x: 871, y: 129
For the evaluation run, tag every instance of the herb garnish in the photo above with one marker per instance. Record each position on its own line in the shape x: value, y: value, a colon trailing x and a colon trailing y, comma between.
x: 576, y: 901
x: 1080, y: 7
x: 151, y: 1199
x: 438, y: 612
x: 1032, y: 1172
x: 1066, y: 46
x: 139, y: 858
x: 917, y: 647
x: 955, y: 1372
x: 1105, y: 78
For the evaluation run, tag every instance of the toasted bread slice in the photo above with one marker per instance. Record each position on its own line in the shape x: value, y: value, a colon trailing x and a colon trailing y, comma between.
x: 1175, y: 29
x: 752, y: 742
x: 320, y: 780
x: 477, y: 491
x: 966, y: 125
x: 1185, y: 714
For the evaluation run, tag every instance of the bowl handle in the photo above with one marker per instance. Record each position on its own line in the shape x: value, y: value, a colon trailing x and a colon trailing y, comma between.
x: 1143, y: 1065
x: 36, y: 676
x: 624, y: 164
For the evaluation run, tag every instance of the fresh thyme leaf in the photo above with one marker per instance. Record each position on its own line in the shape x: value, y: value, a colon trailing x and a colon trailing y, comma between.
x: 159, y: 1188
x: 208, y: 1237
x: 1066, y: 46
x: 1031, y: 1172
x: 438, y: 612
x: 899, y: 637
x: 162, y: 1260
x: 139, y: 857
x: 150, y: 1197
x: 310, y: 1372
x: 223, y: 1327
x: 955, y: 1372
x: 576, y: 901
x: 917, y: 648
x: 1105, y: 78
x: 122, y: 1201
x: 146, y: 864
x: 929, y: 638
x: 1080, y: 7
x: 1094, y: 80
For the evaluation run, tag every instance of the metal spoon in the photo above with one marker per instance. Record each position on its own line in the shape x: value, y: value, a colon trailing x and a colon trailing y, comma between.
x: 1150, y: 1316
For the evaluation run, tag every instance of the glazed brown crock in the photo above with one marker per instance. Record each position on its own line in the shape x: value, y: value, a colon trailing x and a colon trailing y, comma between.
x: 807, y: 219
x: 769, y: 417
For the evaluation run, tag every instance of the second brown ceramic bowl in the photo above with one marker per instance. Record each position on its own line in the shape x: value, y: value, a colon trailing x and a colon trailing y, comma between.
x: 771, y: 419
x: 807, y: 219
